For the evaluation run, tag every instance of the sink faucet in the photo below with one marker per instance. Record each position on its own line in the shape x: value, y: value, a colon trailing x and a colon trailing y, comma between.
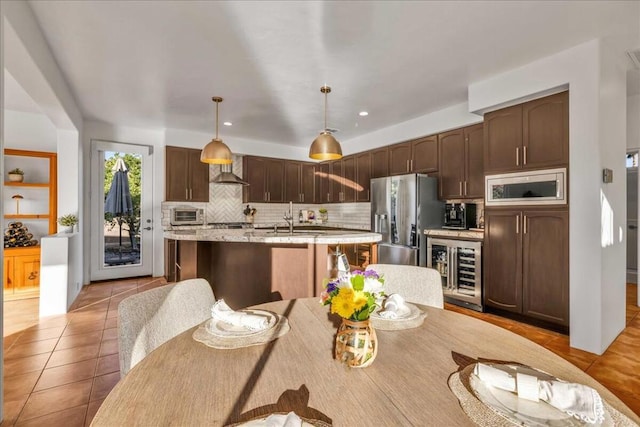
x: 288, y: 216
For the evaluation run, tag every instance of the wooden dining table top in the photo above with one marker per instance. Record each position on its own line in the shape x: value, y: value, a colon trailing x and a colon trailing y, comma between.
x: 186, y: 383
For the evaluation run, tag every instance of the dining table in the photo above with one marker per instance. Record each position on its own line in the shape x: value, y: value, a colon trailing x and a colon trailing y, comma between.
x: 187, y: 383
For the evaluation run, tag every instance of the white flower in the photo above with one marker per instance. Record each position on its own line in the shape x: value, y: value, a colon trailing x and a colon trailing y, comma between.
x: 373, y: 286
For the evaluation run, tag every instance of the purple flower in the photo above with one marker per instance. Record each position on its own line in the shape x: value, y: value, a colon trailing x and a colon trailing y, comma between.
x: 371, y: 274
x: 332, y: 286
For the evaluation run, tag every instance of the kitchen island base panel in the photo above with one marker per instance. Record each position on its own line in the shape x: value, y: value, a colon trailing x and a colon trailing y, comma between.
x: 245, y: 274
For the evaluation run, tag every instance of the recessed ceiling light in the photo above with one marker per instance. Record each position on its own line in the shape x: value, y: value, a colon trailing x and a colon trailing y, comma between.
x: 227, y: 123
x: 363, y: 113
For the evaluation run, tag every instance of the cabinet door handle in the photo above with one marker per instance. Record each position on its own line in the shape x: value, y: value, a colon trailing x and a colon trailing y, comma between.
x: 191, y: 194
x: 368, y: 196
x: 186, y: 194
x: 518, y: 224
x: 265, y: 196
x: 524, y: 224
x: 517, y: 156
x: 460, y: 190
x: 524, y: 155
x: 410, y: 165
x: 465, y: 188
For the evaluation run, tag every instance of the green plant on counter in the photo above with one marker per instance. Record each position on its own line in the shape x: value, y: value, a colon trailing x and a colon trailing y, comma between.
x: 68, y: 220
x: 322, y: 210
x: 16, y: 171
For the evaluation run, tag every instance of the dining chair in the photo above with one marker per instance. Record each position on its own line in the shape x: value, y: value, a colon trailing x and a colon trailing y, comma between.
x: 420, y: 285
x: 151, y: 318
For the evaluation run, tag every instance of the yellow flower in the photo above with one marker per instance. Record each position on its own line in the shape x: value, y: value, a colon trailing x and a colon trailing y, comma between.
x: 343, y: 303
x: 359, y: 300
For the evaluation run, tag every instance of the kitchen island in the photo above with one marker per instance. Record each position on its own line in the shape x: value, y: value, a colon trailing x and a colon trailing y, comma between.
x: 251, y: 266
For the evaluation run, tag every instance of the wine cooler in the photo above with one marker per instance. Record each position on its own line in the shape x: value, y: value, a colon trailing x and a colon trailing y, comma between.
x: 459, y: 262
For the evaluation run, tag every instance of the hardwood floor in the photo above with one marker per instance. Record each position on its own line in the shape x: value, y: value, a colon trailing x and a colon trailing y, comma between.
x: 59, y: 369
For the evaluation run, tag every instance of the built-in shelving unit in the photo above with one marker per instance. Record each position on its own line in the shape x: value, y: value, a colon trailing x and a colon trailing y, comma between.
x: 39, y: 203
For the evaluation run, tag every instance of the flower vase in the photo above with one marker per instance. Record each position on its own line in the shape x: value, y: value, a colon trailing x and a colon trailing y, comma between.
x: 356, y: 343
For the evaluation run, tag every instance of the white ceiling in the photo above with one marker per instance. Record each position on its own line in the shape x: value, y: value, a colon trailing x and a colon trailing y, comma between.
x: 157, y: 64
x: 16, y: 98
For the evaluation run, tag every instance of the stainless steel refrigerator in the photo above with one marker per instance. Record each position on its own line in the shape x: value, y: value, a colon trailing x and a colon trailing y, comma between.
x: 402, y: 207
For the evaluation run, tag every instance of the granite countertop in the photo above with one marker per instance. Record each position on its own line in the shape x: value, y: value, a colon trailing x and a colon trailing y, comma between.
x: 456, y: 234
x: 324, y: 236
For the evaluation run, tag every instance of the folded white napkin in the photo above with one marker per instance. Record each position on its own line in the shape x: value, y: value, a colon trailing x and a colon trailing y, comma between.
x: 394, y: 307
x: 222, y: 312
x: 577, y: 400
x: 277, y: 420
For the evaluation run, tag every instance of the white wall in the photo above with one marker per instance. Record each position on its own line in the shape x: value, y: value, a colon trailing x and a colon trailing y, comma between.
x: 29, y: 131
x: 633, y: 121
x: 127, y: 135
x: 191, y: 139
x: 438, y: 121
x: 595, y: 319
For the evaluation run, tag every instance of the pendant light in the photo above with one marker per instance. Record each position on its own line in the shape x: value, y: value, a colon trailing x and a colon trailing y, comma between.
x: 216, y: 152
x: 325, y: 146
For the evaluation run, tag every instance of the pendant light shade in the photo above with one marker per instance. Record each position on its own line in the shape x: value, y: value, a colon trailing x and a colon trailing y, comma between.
x: 325, y: 146
x: 216, y: 152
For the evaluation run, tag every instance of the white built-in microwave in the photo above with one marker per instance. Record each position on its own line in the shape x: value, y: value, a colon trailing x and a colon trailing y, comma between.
x: 539, y: 187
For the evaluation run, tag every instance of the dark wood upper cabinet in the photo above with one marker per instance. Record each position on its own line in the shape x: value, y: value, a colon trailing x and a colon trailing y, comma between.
x: 424, y: 155
x: 265, y: 177
x: 474, y: 162
x: 399, y: 158
x: 307, y: 185
x: 335, y: 181
x: 526, y: 262
x: 380, y: 162
x: 349, y: 182
x: 452, y: 164
x: 545, y: 132
x: 461, y: 163
x: 417, y: 156
x: 503, y: 140
x: 363, y: 176
x: 292, y: 181
x: 186, y: 177
x: 532, y: 135
x: 323, y: 194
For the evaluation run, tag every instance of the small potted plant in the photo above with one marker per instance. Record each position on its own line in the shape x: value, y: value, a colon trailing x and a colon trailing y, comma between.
x: 16, y: 175
x: 324, y: 215
x: 69, y: 220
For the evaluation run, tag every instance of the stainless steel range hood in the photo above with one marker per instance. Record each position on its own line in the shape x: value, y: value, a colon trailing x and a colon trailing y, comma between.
x: 227, y: 176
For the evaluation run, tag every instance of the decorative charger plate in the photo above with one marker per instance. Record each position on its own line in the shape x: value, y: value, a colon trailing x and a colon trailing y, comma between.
x: 261, y: 421
x: 412, y: 319
x: 522, y: 411
x: 223, y: 329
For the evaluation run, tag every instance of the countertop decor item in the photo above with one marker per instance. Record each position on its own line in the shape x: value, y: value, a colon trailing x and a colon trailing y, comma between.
x: 354, y: 297
x: 249, y: 213
x: 17, y: 198
x: 325, y: 146
x: 69, y: 220
x: 323, y: 215
x: 216, y: 152
x: 16, y: 175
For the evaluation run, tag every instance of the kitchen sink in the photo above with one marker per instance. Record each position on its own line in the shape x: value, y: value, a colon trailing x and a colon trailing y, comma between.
x: 184, y: 232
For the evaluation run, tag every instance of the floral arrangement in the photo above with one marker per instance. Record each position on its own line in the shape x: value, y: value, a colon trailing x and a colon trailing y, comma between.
x: 354, y: 296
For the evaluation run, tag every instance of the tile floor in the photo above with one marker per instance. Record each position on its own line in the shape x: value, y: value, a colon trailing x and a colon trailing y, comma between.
x: 58, y: 370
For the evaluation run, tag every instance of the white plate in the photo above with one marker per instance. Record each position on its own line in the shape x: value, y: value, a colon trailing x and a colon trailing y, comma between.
x: 222, y: 329
x: 411, y: 314
x: 522, y: 411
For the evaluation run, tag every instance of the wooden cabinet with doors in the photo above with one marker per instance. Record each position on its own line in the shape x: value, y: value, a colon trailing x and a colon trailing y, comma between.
x: 417, y: 156
x: 532, y: 135
x: 299, y: 178
x: 323, y: 182
x: 460, y: 164
x: 265, y: 176
x: 526, y: 262
x: 363, y: 176
x: 186, y: 177
x: 38, y: 214
x: 380, y: 162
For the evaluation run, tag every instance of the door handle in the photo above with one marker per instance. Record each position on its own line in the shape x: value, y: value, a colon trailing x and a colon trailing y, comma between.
x: 460, y: 190
x: 191, y: 194
x: 465, y: 188
x: 633, y: 227
x: 524, y: 224
x: 517, y: 156
x: 524, y: 155
x: 518, y: 224
x: 186, y: 194
x: 148, y: 228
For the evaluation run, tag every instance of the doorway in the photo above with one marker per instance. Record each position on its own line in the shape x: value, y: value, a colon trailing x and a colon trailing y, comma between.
x: 632, y: 216
x: 121, y: 210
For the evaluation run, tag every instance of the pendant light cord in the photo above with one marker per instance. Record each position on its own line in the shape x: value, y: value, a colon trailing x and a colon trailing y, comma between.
x: 217, y: 103
x: 325, y: 111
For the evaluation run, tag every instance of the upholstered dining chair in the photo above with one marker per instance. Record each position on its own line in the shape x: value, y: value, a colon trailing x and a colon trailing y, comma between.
x: 151, y: 318
x: 419, y: 285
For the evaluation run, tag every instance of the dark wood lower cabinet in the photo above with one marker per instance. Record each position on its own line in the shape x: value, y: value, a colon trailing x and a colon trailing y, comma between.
x: 526, y: 263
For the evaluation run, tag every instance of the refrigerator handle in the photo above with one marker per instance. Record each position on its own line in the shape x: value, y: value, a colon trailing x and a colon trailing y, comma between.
x: 376, y: 223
